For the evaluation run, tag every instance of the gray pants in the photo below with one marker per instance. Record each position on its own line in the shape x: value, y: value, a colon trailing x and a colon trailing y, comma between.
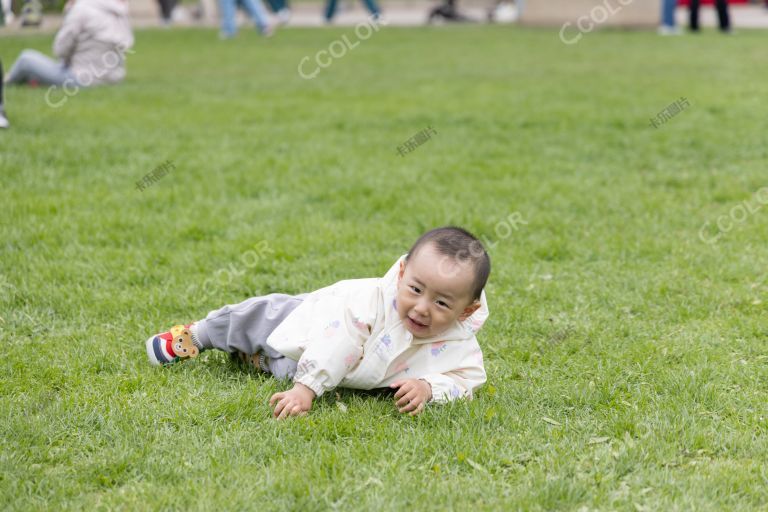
x: 33, y: 65
x: 245, y: 327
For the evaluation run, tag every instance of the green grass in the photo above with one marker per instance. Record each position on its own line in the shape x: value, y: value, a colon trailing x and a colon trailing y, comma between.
x: 643, y: 346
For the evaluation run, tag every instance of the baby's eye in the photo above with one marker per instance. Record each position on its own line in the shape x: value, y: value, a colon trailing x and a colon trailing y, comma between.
x: 443, y: 304
x: 416, y: 289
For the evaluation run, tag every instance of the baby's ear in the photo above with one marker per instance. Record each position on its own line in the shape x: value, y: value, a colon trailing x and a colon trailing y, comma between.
x: 474, y: 306
x: 402, y: 270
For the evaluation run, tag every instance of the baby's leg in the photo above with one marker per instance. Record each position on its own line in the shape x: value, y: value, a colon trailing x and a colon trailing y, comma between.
x: 279, y: 367
x: 283, y: 368
x: 244, y: 327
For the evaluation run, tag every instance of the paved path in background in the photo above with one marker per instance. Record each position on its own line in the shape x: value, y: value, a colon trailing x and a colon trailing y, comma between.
x: 397, y: 14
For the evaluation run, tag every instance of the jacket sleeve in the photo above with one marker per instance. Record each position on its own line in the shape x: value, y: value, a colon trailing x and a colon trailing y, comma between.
x: 322, y: 366
x: 455, y: 384
x: 338, y: 348
x: 65, y: 43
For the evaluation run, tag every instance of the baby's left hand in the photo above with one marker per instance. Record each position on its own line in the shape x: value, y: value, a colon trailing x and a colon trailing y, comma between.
x: 412, y: 396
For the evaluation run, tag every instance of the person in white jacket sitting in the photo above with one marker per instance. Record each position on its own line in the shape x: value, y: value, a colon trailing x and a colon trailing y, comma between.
x: 412, y: 330
x: 90, y: 46
x: 3, y: 119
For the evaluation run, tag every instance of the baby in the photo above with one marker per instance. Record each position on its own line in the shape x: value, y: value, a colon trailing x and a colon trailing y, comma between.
x: 412, y: 330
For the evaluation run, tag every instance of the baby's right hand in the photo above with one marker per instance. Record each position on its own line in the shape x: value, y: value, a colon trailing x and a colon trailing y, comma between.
x: 294, y: 402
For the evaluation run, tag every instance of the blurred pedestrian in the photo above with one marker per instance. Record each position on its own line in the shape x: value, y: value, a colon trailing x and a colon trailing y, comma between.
x: 722, y: 15
x: 90, y: 46
x: 166, y: 10
x: 6, y: 12
x: 668, y: 25
x: 255, y: 10
x: 330, y: 9
x: 281, y: 9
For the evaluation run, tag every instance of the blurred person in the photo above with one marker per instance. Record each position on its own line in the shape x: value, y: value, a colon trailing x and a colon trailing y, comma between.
x: 254, y: 8
x: 6, y: 12
x: 3, y: 120
x: 722, y: 15
x: 668, y: 25
x: 90, y: 46
x: 281, y: 9
x: 330, y: 9
x: 166, y: 10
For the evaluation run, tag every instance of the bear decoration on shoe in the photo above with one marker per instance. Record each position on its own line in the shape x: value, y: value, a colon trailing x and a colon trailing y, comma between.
x: 182, y: 342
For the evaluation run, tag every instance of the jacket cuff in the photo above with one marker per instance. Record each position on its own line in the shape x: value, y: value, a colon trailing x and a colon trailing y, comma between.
x: 445, y: 389
x: 312, y: 383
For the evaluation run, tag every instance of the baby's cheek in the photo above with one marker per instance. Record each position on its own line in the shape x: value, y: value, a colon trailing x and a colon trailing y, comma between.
x: 401, y: 309
x: 439, y: 325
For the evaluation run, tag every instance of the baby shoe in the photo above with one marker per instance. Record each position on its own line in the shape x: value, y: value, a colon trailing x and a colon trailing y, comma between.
x: 171, y: 346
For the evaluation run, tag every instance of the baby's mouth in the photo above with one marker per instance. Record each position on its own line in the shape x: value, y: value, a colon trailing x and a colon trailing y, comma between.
x: 418, y: 324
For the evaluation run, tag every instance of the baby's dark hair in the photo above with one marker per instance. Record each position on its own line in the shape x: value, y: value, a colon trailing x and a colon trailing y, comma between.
x: 461, y: 245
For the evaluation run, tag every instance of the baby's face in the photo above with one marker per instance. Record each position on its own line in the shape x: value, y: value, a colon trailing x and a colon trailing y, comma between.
x: 433, y: 291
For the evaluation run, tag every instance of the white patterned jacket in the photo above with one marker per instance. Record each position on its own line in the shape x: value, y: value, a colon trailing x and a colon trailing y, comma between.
x: 350, y: 335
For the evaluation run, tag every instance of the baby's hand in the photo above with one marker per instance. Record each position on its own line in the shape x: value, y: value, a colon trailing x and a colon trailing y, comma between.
x: 412, y: 396
x: 294, y: 402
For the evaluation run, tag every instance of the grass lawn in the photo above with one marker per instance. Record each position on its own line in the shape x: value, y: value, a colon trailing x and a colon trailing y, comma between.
x: 626, y: 349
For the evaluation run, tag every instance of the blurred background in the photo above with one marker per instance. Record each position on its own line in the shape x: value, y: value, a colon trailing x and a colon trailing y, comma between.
x: 46, y: 14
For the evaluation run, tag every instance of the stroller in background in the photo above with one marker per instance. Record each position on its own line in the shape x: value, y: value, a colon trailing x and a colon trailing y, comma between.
x: 503, y: 11
x: 446, y: 12
x: 31, y: 14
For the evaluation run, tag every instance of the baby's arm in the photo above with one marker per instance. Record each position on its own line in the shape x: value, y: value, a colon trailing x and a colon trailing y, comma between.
x: 413, y: 395
x: 321, y: 368
x: 453, y: 378
x: 455, y: 384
